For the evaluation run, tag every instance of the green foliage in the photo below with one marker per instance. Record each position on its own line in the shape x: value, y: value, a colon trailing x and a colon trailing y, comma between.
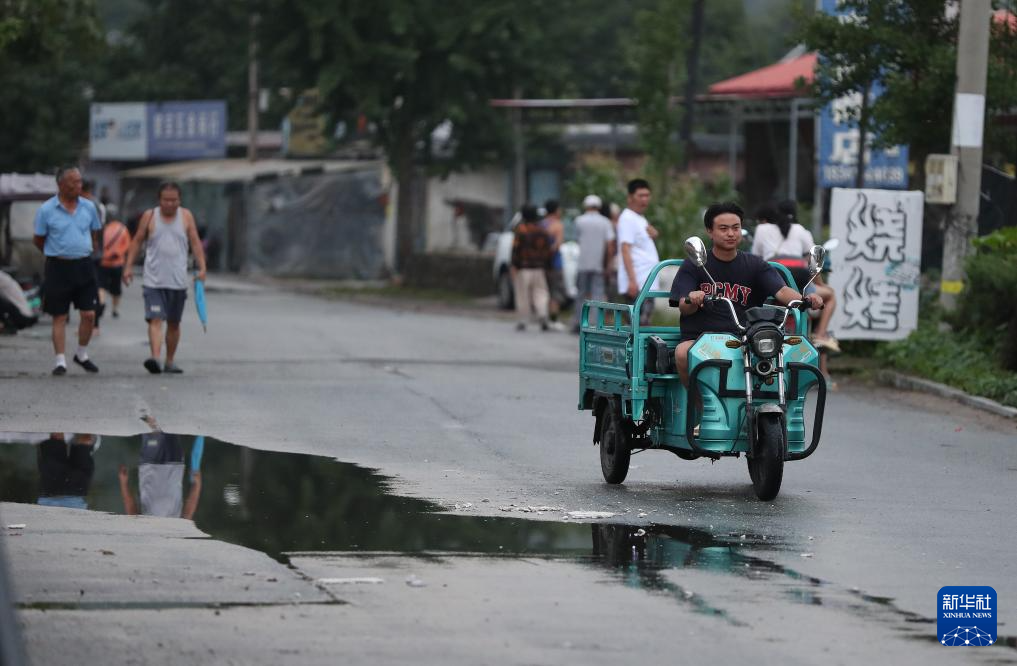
x: 980, y: 354
x: 909, y: 47
x: 47, y: 48
x: 600, y: 175
x: 657, y: 60
x: 677, y: 213
x: 959, y: 359
x: 186, y: 49
x: 987, y: 307
x: 412, y: 66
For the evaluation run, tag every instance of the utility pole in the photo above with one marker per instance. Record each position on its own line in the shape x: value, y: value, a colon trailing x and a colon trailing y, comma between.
x: 252, y: 88
x: 692, y: 79
x: 966, y: 144
x: 518, y: 156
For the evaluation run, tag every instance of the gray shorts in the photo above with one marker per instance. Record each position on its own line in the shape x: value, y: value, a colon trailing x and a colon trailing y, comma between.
x: 165, y: 304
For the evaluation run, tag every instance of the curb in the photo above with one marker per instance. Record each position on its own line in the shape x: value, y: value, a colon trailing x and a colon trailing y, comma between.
x: 910, y: 383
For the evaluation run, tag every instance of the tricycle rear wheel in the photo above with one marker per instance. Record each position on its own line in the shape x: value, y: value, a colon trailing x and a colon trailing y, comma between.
x: 766, y: 468
x: 615, y: 450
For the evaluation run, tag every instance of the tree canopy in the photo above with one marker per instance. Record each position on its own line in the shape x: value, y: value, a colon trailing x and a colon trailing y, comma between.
x: 908, y: 48
x: 46, y: 50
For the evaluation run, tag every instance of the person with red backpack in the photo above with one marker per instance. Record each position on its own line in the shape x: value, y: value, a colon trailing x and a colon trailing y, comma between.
x: 116, y: 241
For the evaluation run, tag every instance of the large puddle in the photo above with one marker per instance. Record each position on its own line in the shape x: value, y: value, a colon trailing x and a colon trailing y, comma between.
x: 285, y: 502
x: 281, y: 503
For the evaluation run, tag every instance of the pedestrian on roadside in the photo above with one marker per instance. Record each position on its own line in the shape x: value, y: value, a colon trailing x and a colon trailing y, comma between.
x: 554, y: 227
x: 66, y: 469
x: 67, y: 231
x: 595, y: 234
x: 161, y: 470
x: 116, y: 242
x: 637, y: 253
x: 169, y: 231
x: 531, y: 255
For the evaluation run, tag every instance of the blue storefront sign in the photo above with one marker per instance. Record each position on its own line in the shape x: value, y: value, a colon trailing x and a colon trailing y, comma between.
x: 141, y: 131
x: 839, y: 139
x: 186, y: 130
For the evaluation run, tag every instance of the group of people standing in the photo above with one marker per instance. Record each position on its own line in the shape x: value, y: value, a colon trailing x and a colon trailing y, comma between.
x: 617, y: 252
x: 88, y: 257
x: 601, y: 272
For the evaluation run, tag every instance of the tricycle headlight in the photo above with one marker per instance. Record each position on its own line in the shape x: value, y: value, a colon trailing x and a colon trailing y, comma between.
x: 766, y: 343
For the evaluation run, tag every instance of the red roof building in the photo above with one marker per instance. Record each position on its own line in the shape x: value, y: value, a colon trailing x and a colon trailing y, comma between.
x: 779, y: 80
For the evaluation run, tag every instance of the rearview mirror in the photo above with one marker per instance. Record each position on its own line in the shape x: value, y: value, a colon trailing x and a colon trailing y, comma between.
x: 817, y: 256
x: 696, y: 251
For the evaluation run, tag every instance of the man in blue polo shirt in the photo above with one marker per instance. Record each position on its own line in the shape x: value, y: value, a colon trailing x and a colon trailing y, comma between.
x: 67, y: 231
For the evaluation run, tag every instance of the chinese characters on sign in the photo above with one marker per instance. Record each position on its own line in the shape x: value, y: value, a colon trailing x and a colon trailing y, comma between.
x: 876, y: 271
x: 186, y: 130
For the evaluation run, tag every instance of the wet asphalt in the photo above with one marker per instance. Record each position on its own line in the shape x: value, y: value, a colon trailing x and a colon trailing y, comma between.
x: 344, y: 441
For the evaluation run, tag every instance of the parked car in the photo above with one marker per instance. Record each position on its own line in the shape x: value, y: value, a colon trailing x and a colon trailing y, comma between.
x: 503, y: 259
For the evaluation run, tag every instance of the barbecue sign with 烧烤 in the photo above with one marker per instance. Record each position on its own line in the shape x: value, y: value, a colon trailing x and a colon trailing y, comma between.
x: 876, y: 266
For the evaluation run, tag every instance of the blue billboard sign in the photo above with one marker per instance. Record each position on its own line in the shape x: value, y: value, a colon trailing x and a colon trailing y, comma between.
x: 186, y: 130
x: 839, y: 139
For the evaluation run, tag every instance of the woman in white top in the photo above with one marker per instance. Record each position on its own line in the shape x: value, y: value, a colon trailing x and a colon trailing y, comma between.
x: 779, y: 235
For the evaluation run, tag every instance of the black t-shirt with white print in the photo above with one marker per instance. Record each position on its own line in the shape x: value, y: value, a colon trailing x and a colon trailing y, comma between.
x: 747, y: 280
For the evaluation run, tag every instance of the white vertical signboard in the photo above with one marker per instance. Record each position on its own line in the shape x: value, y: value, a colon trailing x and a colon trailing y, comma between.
x: 877, y: 266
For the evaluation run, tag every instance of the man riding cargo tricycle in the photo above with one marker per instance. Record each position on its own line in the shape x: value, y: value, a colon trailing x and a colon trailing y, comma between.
x: 732, y: 379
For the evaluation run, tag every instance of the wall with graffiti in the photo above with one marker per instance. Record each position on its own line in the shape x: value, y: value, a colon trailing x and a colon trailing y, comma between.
x: 877, y: 267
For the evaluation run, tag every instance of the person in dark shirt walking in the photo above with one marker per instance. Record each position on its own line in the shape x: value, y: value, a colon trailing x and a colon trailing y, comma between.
x: 531, y: 256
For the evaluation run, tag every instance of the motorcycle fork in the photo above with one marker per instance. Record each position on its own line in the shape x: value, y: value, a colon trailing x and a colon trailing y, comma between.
x: 752, y: 413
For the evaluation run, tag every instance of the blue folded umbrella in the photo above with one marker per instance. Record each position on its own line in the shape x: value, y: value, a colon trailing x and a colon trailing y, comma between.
x: 199, y: 302
x: 196, y: 451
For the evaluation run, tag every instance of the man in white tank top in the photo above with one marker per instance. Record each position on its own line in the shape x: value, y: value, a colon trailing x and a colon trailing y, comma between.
x: 170, y: 231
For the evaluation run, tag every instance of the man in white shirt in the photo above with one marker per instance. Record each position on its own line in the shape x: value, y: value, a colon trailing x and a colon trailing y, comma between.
x: 636, y: 249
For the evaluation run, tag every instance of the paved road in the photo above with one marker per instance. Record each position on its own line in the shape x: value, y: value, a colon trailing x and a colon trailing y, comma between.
x: 906, y: 494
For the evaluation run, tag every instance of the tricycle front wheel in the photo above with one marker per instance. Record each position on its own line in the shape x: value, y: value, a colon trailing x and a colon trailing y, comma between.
x: 615, y: 449
x: 766, y: 468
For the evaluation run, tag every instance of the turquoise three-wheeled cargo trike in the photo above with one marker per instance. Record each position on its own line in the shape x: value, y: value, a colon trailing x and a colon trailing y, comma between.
x: 747, y: 390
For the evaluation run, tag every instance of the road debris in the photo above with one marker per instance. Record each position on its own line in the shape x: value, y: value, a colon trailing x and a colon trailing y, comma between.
x: 589, y: 515
x: 539, y: 510
x: 359, y: 580
x: 413, y: 581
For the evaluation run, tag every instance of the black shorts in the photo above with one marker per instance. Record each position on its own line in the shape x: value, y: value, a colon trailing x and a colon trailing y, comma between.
x: 69, y: 281
x: 65, y: 468
x: 111, y: 279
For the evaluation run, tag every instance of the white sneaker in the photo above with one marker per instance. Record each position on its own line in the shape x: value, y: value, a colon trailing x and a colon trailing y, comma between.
x: 557, y: 326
